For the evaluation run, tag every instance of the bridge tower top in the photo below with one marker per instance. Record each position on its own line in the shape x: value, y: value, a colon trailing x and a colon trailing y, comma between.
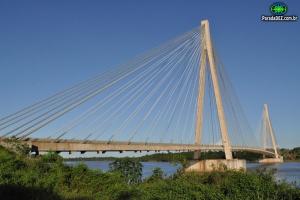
x: 207, y: 53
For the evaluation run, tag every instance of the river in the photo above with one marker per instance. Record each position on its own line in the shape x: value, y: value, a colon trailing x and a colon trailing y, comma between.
x: 288, y: 171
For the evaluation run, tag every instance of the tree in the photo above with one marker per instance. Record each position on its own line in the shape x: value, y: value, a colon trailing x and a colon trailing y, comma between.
x: 52, y: 157
x: 131, y: 169
x: 157, y: 173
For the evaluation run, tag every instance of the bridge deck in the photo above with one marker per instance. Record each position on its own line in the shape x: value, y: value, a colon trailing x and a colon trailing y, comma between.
x: 44, y: 145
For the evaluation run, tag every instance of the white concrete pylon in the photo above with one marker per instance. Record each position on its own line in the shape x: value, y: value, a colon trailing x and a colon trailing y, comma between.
x: 207, y: 50
x: 268, y: 124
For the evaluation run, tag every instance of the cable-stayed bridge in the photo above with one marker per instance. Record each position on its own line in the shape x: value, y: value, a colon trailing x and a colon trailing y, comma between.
x: 176, y: 97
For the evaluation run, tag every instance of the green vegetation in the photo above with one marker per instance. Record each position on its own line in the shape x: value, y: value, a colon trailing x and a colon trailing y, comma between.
x: 131, y: 169
x: 46, y: 177
x: 14, y: 145
x: 291, y: 154
x: 186, y: 156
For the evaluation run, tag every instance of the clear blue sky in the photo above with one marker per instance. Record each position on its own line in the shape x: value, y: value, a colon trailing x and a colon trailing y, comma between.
x: 46, y: 46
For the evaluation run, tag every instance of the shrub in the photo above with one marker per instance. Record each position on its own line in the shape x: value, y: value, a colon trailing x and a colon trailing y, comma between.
x: 46, y: 177
x: 131, y: 169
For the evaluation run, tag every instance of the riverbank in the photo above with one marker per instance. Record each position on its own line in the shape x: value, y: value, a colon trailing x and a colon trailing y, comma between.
x: 47, y: 177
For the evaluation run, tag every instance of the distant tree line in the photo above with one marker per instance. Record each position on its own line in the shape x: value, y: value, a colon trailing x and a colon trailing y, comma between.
x: 181, y: 157
x: 178, y: 156
x: 291, y: 154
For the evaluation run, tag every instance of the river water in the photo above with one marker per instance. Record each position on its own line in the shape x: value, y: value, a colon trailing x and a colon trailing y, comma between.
x: 288, y: 171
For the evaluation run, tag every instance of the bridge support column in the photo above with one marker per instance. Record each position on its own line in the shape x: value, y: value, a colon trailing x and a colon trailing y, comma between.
x: 197, y: 154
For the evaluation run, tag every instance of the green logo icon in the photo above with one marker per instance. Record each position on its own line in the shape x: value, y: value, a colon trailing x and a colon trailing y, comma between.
x: 278, y: 8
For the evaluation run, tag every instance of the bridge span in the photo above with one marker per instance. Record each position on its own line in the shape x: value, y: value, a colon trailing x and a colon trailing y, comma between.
x: 45, y: 145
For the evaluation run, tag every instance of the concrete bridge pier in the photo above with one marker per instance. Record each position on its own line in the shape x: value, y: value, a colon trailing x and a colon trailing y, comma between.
x: 279, y: 159
x: 216, y: 165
